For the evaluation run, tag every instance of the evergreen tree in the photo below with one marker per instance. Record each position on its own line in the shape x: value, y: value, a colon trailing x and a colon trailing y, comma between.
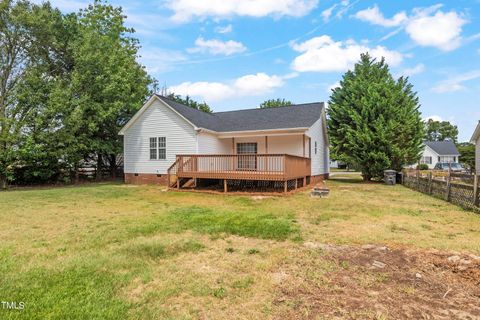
x: 374, y: 120
x: 274, y: 103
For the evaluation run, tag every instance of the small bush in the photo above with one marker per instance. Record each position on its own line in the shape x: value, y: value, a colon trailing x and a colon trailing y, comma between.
x: 422, y: 166
x: 253, y: 251
x: 219, y: 293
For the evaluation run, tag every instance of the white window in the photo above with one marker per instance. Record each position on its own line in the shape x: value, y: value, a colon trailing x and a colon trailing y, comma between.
x: 447, y: 159
x: 158, y: 148
x: 426, y: 160
x: 162, y: 148
x: 153, y: 148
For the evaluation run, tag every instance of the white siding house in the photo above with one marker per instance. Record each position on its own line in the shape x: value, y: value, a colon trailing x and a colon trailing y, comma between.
x: 163, y: 130
x: 476, y: 140
x: 157, y: 121
x: 439, y: 151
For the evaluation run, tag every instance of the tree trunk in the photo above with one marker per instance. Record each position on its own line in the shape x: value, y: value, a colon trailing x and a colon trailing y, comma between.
x: 99, y: 167
x: 76, y: 174
x: 3, y: 182
x: 113, y: 166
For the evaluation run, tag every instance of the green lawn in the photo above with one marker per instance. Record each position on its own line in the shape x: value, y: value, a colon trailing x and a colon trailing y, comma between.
x: 113, y: 251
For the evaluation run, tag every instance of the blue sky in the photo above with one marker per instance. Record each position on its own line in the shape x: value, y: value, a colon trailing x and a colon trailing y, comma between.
x: 237, y: 53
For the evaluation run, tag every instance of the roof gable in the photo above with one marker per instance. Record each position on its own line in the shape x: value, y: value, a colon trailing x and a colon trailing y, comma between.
x: 443, y: 147
x: 142, y: 110
x: 476, y: 134
x: 294, y: 116
x: 300, y: 116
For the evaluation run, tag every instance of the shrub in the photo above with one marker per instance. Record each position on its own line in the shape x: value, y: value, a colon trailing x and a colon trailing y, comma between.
x: 422, y: 166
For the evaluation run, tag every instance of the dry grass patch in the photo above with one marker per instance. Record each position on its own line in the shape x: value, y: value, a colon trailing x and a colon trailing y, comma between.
x: 111, y: 251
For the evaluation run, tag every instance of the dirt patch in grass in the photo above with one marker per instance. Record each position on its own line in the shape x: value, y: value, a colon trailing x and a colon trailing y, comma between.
x: 376, y: 282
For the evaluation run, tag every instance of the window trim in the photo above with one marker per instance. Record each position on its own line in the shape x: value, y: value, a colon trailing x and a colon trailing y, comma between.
x: 162, y: 148
x: 316, y: 147
x: 426, y: 160
x: 157, y: 147
x: 153, y: 147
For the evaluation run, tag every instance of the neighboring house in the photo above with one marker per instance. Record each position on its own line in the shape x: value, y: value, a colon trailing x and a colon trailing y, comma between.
x: 335, y: 164
x: 439, y: 151
x: 476, y: 141
x: 285, y: 146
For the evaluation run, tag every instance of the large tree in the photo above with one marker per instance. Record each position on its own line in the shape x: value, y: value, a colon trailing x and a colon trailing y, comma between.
x: 374, y: 120
x: 440, y: 131
x: 68, y: 83
x: 107, y: 84
x: 14, y: 58
x: 275, y: 103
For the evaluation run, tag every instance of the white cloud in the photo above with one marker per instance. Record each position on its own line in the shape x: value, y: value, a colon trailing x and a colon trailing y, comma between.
x: 257, y: 84
x: 327, y: 13
x: 374, y: 16
x: 248, y: 85
x: 323, y: 54
x: 159, y: 60
x: 224, y: 29
x: 217, y: 47
x: 333, y: 86
x: 408, y: 72
x: 442, y: 30
x: 209, y: 91
x: 447, y: 87
x: 429, y: 26
x: 456, y: 83
x: 185, y: 10
x: 341, y: 8
x: 433, y: 118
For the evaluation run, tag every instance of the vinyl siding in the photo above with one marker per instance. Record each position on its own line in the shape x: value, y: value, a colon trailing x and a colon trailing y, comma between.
x: 209, y: 144
x: 477, y: 152
x: 157, y: 121
x: 288, y: 144
x: 428, y: 152
x: 321, y: 160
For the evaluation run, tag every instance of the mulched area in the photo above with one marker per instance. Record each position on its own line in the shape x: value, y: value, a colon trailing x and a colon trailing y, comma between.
x: 378, y: 282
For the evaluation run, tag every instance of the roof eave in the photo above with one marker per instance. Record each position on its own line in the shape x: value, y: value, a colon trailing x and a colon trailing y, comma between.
x: 476, y: 134
x: 261, y: 132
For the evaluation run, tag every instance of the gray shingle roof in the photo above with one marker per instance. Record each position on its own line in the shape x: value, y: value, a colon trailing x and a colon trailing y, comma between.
x: 295, y: 116
x: 443, y: 147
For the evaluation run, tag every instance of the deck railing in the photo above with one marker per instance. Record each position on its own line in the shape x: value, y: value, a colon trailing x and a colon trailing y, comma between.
x: 242, y: 166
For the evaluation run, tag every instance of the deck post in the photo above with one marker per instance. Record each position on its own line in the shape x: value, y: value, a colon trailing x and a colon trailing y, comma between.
x: 296, y: 183
x: 285, y: 186
x: 225, y: 186
x: 303, y: 138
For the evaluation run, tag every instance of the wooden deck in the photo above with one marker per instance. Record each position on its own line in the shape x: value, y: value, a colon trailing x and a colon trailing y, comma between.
x: 256, y: 167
